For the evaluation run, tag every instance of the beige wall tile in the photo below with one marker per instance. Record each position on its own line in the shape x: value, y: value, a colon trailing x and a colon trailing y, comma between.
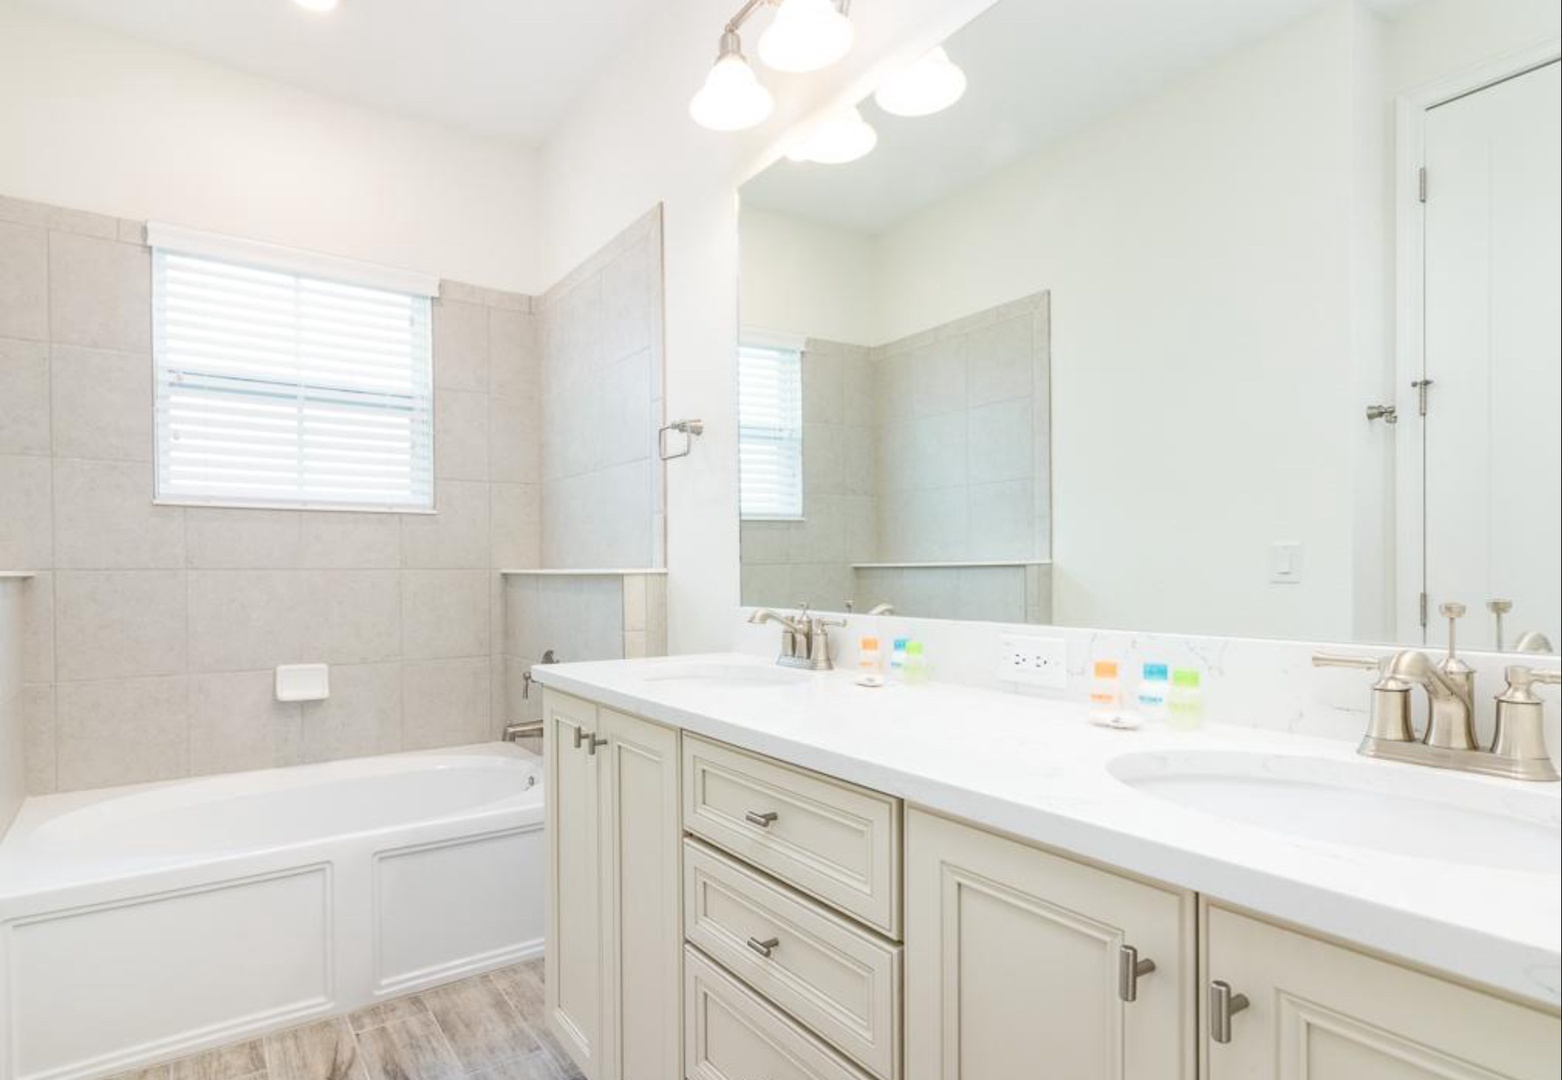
x: 999, y: 442
x: 999, y: 359
x: 455, y: 538
x: 460, y: 346
x: 336, y: 540
x: 221, y: 539
x: 461, y: 435
x: 514, y: 440
x: 1001, y: 519
x: 445, y: 703
x: 630, y: 287
x: 515, y: 525
x: 105, y: 519
x: 100, y: 293
x: 38, y: 628
x: 38, y: 723
x: 236, y: 723
x: 361, y: 717
x: 24, y: 395
x: 444, y: 613
x: 102, y: 404
x: 112, y: 624
x: 24, y: 282
x: 351, y: 616
x: 514, y: 364
x: 626, y: 420
x: 26, y: 512
x: 122, y: 731
x: 246, y: 620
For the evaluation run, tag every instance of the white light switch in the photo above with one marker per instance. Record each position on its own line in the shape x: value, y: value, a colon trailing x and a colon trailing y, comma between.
x: 303, y: 682
x: 1285, y: 563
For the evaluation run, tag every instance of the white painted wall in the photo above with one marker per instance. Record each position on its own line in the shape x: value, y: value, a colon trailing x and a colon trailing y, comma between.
x: 96, y: 121
x: 805, y: 277
x: 638, y: 112
x: 1439, y: 37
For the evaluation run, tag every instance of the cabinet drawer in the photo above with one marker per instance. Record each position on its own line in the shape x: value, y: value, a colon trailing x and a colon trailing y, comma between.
x: 843, y: 982
x: 732, y: 1034
x: 837, y: 842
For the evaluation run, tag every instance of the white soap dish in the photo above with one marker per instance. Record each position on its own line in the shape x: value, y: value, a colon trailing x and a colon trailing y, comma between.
x: 1117, y: 721
x: 303, y: 682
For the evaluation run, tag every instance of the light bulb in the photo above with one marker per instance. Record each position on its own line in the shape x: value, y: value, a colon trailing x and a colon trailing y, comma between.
x: 317, y: 6
x: 930, y: 85
x: 839, y: 139
x: 806, y: 35
x: 732, y: 98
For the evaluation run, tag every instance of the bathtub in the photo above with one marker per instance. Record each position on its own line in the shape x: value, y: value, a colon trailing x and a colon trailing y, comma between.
x: 142, y: 923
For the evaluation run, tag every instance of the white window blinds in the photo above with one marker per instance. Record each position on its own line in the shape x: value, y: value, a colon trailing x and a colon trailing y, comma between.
x: 278, y: 387
x: 770, y: 431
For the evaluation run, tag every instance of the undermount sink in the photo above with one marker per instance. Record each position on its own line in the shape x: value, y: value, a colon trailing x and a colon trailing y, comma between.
x: 725, y: 676
x: 1428, y: 814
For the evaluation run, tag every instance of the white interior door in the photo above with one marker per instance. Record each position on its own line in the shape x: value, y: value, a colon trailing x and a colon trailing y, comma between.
x: 1493, y: 274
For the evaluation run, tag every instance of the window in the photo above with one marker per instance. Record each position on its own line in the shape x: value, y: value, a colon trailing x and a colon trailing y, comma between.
x: 289, y: 379
x: 770, y: 430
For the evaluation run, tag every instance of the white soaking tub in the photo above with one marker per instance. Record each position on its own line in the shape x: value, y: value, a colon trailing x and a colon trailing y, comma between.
x: 141, y: 923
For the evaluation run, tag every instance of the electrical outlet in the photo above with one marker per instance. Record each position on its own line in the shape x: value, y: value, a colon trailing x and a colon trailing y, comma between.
x: 1035, y: 661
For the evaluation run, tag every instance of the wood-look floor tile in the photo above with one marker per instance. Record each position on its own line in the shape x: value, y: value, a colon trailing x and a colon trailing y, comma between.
x: 156, y: 1072
x: 524, y: 991
x: 565, y: 1067
x: 536, y: 1066
x: 323, y: 1051
x: 224, y: 1063
x: 483, y: 1028
x: 411, y: 1049
x: 388, y: 1012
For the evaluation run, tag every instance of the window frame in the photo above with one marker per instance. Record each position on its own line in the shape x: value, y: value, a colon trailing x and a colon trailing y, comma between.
x: 316, y: 269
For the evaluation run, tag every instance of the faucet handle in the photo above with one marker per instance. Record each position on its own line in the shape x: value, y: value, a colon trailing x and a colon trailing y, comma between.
x: 1390, y: 717
x: 1359, y: 663
x: 1518, y: 675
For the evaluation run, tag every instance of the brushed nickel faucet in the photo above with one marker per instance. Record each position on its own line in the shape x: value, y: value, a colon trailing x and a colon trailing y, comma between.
x: 1518, y: 749
x: 805, y: 638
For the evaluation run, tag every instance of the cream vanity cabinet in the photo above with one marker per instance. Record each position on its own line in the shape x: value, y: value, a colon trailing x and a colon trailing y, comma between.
x: 1015, y: 957
x: 1318, y: 1011
x: 613, y: 982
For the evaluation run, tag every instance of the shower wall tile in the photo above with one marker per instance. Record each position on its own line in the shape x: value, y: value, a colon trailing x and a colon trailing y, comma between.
x: 24, y: 282
x: 100, y: 293
x: 112, y: 624
x: 104, y: 518
x: 121, y: 731
x: 150, y: 632
x: 24, y: 396
x: 102, y: 404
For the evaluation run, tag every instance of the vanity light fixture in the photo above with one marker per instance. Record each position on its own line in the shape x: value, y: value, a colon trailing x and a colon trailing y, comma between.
x: 805, y: 36
x: 319, y: 7
x: 930, y: 85
x: 842, y: 137
x: 732, y: 98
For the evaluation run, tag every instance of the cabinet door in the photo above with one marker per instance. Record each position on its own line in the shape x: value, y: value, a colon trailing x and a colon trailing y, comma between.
x: 574, y: 957
x: 641, y: 918
x: 1012, y: 964
x: 1318, y: 1011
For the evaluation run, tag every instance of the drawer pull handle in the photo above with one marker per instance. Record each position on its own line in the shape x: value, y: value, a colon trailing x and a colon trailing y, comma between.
x: 592, y: 742
x: 764, y: 948
x: 1223, y: 1005
x: 1130, y: 969
x: 764, y: 821
x: 580, y: 737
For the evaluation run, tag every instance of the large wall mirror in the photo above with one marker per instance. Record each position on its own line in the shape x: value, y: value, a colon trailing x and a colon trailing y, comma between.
x: 1204, y: 317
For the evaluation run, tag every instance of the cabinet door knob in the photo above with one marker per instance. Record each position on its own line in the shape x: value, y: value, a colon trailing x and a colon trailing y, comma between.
x: 764, y: 948
x: 1130, y: 969
x: 592, y: 742
x: 1223, y: 1005
x: 764, y: 821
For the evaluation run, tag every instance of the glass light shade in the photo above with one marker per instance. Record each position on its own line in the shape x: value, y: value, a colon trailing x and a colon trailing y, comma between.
x: 842, y: 138
x: 930, y: 85
x: 806, y: 35
x: 732, y: 98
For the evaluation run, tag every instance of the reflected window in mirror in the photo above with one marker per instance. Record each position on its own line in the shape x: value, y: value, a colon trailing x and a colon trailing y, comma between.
x: 770, y: 429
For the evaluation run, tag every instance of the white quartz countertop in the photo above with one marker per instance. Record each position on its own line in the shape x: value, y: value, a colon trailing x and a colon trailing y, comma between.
x: 1039, y: 770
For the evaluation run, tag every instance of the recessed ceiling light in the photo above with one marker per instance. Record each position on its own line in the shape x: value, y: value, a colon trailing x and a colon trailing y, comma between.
x: 318, y: 6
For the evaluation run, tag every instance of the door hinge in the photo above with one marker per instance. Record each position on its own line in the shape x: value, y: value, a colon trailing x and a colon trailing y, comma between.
x: 1421, y: 184
x: 1424, y: 606
x: 1422, y: 387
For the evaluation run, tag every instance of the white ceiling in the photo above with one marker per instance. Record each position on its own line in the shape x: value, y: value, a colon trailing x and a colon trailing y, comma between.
x: 499, y: 67
x: 1037, y: 71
